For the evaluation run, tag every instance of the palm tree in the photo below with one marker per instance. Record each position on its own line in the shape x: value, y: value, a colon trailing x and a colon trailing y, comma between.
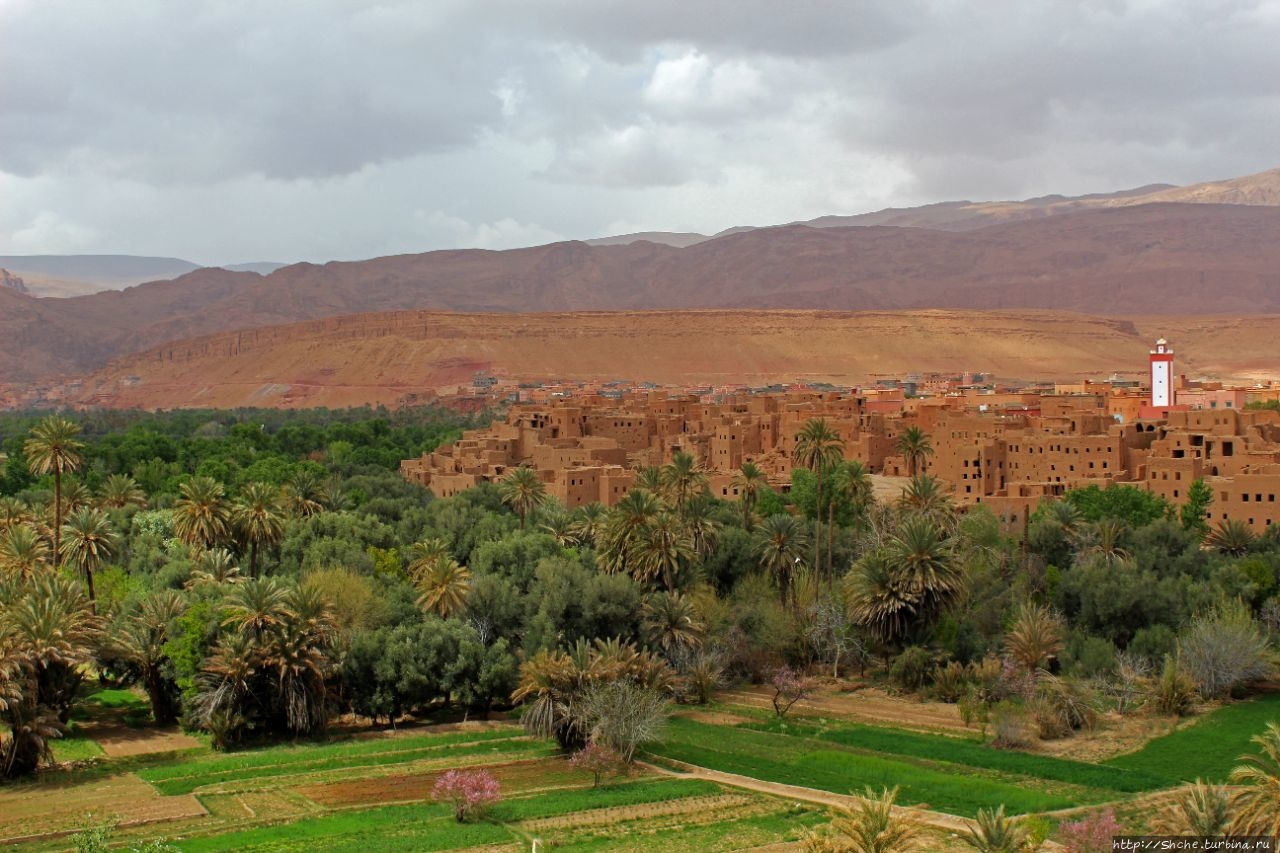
x: 201, y: 515
x: 443, y: 588
x: 53, y: 449
x: 1196, y: 809
x: 699, y: 520
x: 1257, y: 802
x: 588, y: 522
x: 871, y: 826
x: 669, y: 624
x: 925, y: 565
x: 1232, y: 537
x: 257, y: 607
x: 1036, y: 634
x: 258, y: 519
x: 142, y: 642
x: 876, y: 600
x: 781, y: 546
x: 561, y: 526
x: 681, y: 480
x: 927, y: 496
x: 216, y: 566
x: 89, y: 541
x: 523, y: 491
x: 818, y: 448
x: 304, y: 494
x: 661, y: 548
x: 75, y: 495
x: 852, y: 482
x: 13, y: 512
x: 629, y: 516
x: 119, y: 491
x: 992, y: 832
x: 749, y: 481
x: 424, y: 554
x: 1101, y: 542
x: 23, y: 550
x: 915, y: 447
x: 649, y: 478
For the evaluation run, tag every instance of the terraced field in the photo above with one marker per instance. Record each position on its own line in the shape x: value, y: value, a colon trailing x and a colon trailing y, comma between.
x: 372, y: 792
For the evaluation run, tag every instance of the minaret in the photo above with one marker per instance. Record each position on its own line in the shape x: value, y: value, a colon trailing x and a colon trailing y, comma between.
x: 1161, y: 375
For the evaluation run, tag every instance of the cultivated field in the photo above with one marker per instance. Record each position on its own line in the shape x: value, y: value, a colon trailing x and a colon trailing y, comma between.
x: 728, y: 777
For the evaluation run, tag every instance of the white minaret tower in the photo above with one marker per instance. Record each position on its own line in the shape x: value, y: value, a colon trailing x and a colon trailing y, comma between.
x: 1161, y: 375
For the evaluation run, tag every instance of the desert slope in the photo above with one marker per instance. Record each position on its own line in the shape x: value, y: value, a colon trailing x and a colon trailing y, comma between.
x: 1167, y: 258
x: 381, y: 358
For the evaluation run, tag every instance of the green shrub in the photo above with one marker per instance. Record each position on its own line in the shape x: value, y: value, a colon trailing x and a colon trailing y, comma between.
x: 913, y: 669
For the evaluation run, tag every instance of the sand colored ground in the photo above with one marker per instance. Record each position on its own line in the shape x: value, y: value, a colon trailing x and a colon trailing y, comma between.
x: 385, y: 358
x: 118, y: 741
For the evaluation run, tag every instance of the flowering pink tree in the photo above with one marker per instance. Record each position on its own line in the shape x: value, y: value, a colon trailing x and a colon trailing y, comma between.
x: 1091, y: 834
x: 598, y: 760
x: 470, y: 792
x: 789, y: 687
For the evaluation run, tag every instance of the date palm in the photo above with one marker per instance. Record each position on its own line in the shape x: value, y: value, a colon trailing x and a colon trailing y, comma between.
x: 927, y: 496
x: 699, y: 521
x: 670, y: 624
x: 1257, y: 802
x: 443, y: 587
x: 682, y: 480
x: 424, y: 554
x: 119, y: 491
x: 877, y: 600
x: 257, y: 607
x: 13, y: 512
x: 142, y: 641
x: 23, y: 550
x: 780, y: 545
x: 54, y: 449
x: 852, y: 482
x: 523, y: 491
x: 588, y: 522
x: 992, y: 832
x: 1199, y: 809
x: 258, y: 520
x: 870, y: 826
x: 915, y: 447
x: 924, y: 562
x: 304, y: 494
x: 1035, y: 635
x: 201, y: 514
x: 750, y: 481
x: 216, y: 566
x: 88, y: 540
x: 661, y: 549
x: 1101, y: 542
x: 649, y: 478
x: 1231, y: 537
x: 75, y: 495
x: 622, y: 528
x: 559, y: 524
x: 818, y: 448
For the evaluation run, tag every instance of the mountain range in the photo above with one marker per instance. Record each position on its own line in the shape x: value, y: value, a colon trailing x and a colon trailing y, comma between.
x: 1207, y: 249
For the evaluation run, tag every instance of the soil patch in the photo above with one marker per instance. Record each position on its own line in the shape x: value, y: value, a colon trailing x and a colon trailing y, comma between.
x: 46, y: 811
x: 869, y: 705
x: 119, y: 741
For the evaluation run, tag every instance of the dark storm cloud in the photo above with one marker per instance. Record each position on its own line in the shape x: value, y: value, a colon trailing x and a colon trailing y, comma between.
x: 325, y: 128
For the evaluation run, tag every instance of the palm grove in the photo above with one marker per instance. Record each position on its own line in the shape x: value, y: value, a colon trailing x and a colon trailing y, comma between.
x: 257, y: 574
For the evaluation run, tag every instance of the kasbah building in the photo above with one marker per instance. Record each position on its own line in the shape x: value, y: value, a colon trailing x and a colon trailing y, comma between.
x: 1008, y: 449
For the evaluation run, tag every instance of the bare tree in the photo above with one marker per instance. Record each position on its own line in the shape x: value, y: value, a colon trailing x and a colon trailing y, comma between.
x: 833, y: 635
x: 624, y: 715
x: 1224, y: 649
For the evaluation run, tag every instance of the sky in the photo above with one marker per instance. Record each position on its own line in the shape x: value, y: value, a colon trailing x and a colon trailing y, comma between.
x: 242, y: 130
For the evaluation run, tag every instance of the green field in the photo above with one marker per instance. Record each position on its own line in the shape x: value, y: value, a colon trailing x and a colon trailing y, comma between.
x: 1208, y: 748
x: 796, y: 760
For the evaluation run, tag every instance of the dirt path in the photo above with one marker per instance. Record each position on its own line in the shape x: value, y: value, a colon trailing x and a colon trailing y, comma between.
x: 937, y: 820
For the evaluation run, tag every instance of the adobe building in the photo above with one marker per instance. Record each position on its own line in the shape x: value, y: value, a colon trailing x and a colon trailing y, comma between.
x: 1008, y: 449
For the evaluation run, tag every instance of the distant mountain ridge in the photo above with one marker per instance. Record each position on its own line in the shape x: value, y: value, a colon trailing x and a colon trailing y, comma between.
x: 1120, y: 261
x: 1261, y: 189
x: 80, y: 275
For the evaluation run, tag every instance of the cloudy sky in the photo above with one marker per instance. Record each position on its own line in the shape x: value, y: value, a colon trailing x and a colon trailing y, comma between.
x: 314, y: 129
